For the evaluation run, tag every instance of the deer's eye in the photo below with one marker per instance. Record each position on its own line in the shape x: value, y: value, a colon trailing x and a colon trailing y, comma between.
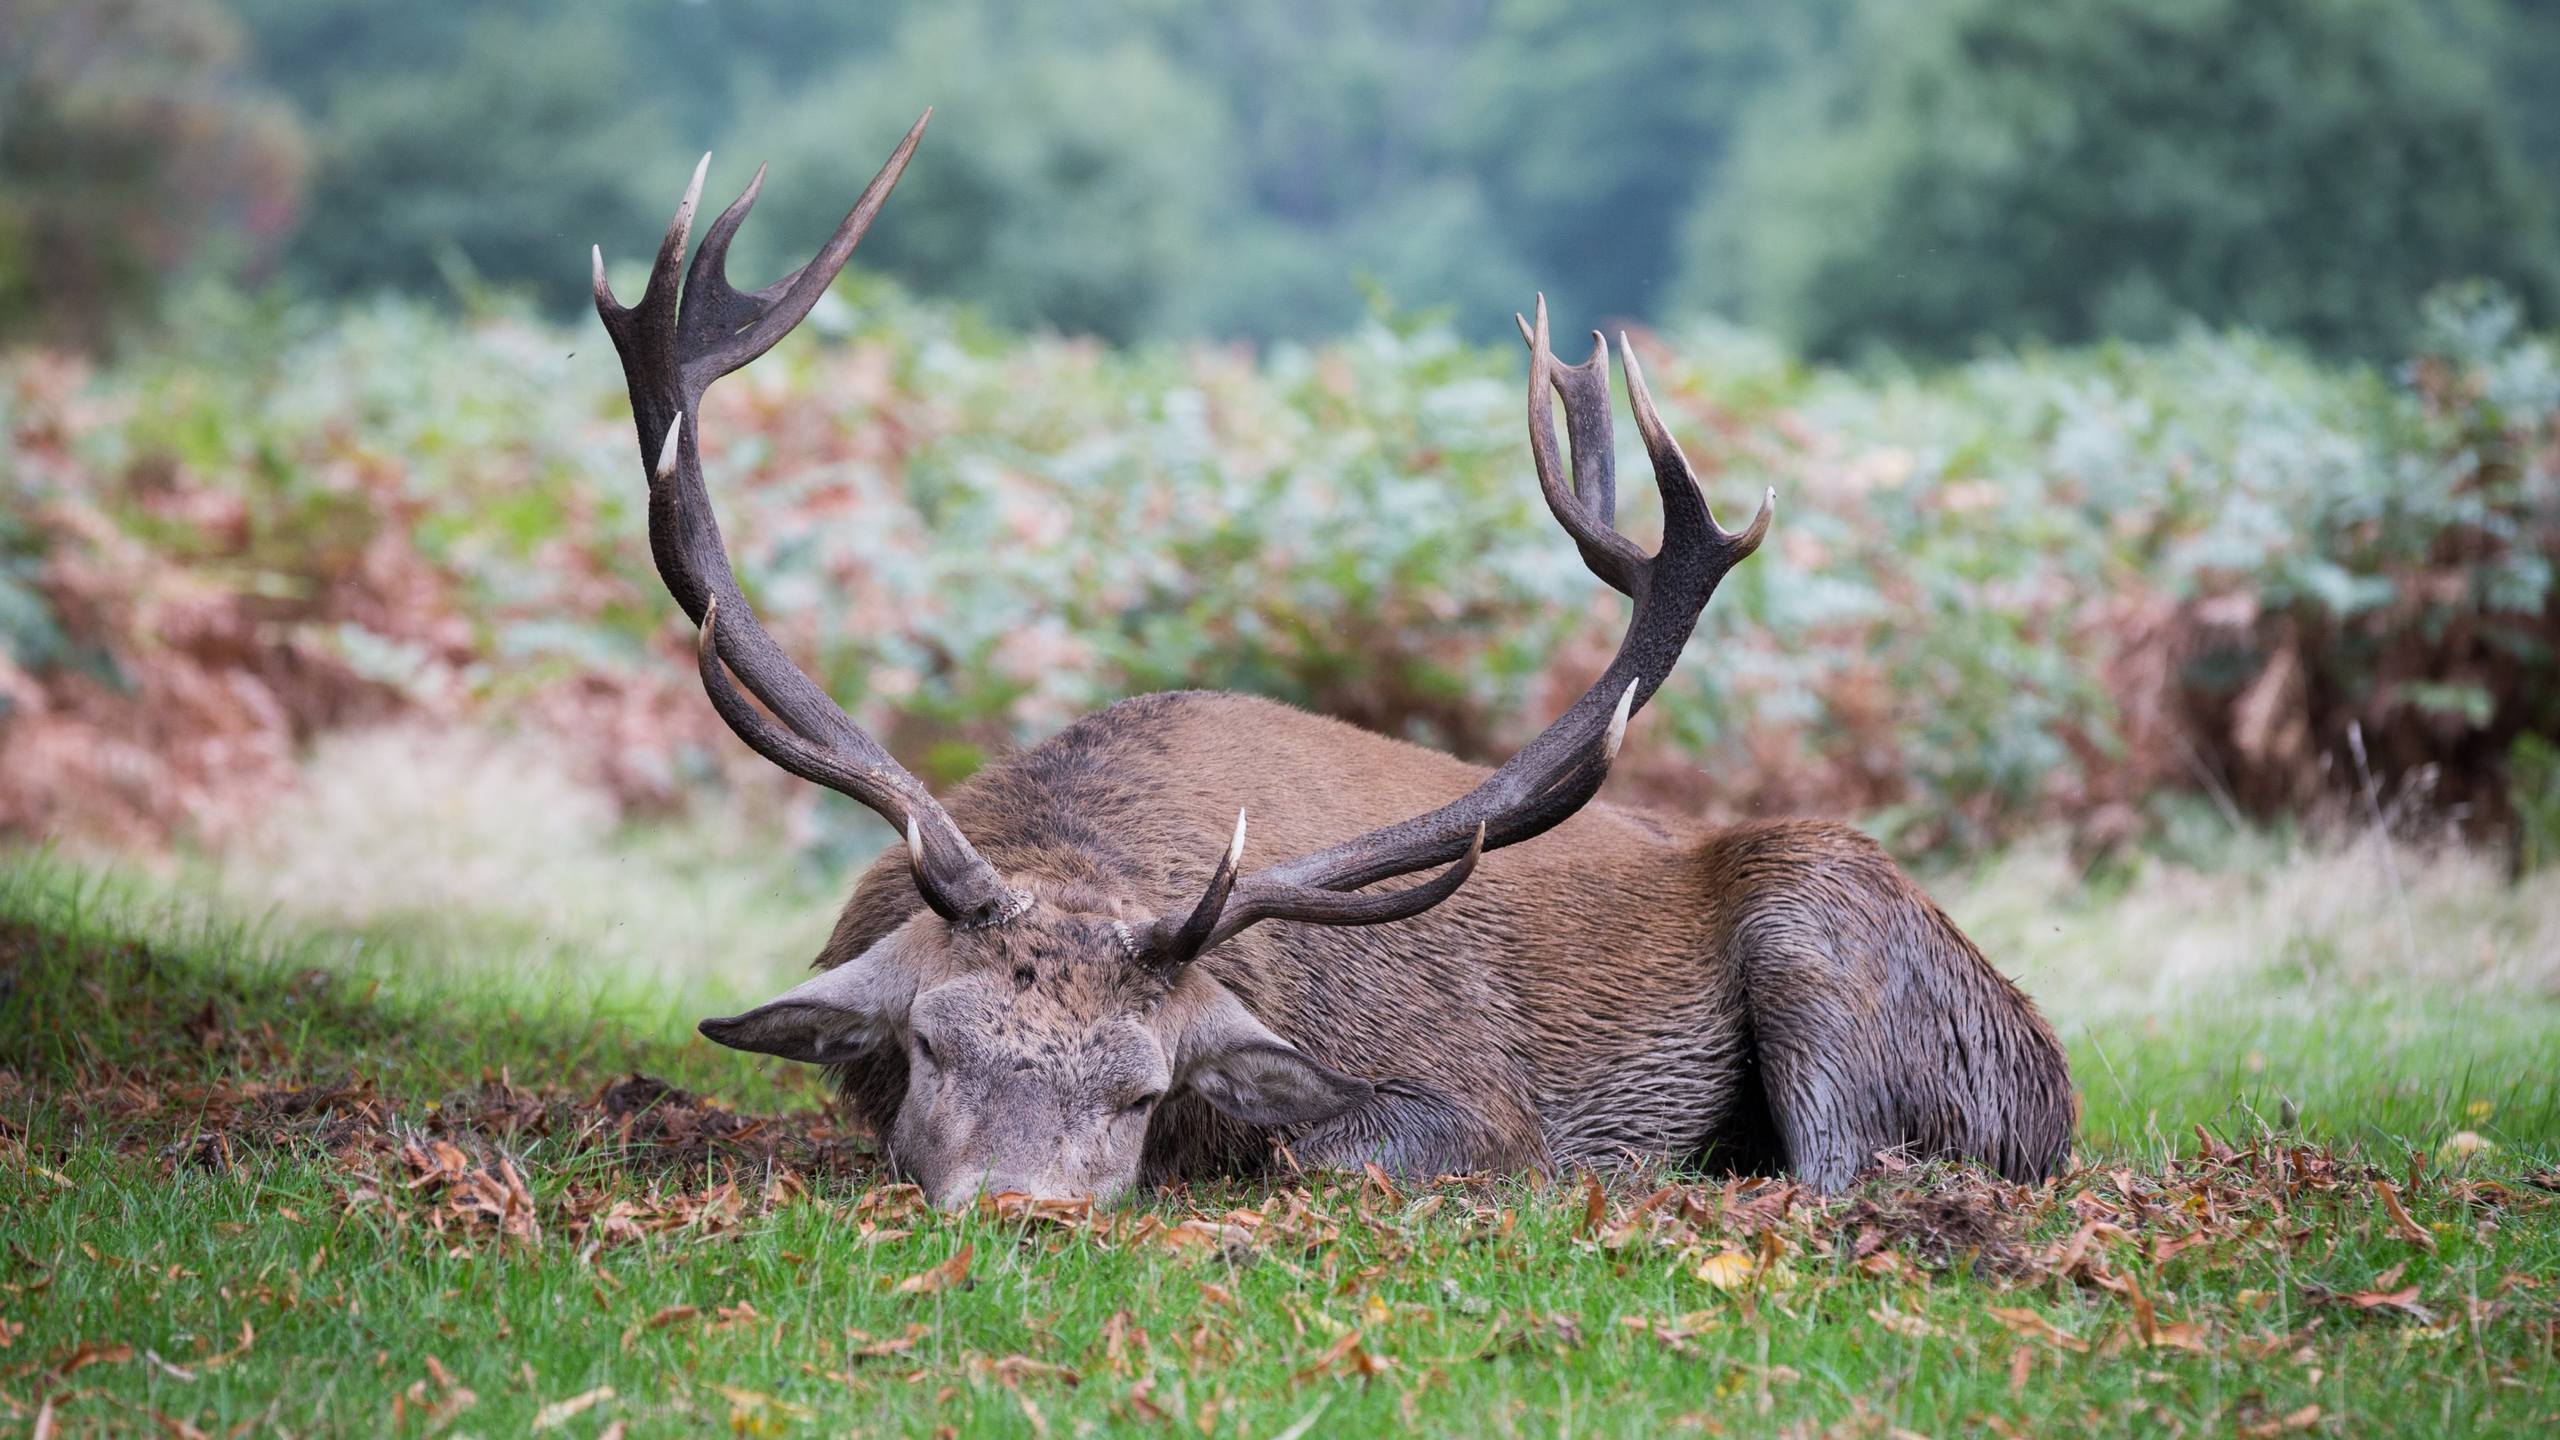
x: 924, y: 1050
x: 1143, y: 1103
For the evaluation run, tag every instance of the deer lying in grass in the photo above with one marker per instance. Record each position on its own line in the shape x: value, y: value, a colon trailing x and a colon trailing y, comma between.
x: 1068, y: 982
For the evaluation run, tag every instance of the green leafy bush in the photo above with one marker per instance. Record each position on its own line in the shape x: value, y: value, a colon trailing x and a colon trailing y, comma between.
x: 2043, y: 587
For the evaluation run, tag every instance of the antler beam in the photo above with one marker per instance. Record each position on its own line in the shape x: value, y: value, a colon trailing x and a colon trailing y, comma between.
x: 682, y: 336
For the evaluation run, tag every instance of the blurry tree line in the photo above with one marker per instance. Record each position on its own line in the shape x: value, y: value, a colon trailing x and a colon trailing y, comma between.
x: 1912, y: 175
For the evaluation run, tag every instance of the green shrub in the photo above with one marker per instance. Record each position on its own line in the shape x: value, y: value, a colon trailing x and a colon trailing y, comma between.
x: 2041, y: 587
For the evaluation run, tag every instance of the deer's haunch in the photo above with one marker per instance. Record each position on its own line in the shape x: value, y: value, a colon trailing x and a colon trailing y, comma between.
x: 1071, y: 981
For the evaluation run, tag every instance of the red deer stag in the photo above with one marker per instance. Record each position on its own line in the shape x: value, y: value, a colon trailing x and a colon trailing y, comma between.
x: 1068, y: 982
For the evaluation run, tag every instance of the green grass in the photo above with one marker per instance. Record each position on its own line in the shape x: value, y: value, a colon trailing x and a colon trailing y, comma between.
x: 294, y: 1278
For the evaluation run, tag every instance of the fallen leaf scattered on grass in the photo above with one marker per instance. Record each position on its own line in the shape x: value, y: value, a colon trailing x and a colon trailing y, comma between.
x: 2401, y: 1225
x: 752, y: 1412
x: 178, y: 1373
x: 1347, y: 1357
x: 1726, y: 1270
x: 561, y: 1412
x: 672, y: 1315
x: 1013, y: 1370
x: 1550, y: 1331
x: 2404, y: 1300
x: 2033, y: 1326
x: 2286, y: 1424
x: 1014, y: 1205
x: 866, y: 1347
x: 90, y: 1352
x: 1674, y: 1335
x: 248, y: 1339
x: 1912, y: 1327
x: 1377, y: 1179
x: 951, y: 1274
x: 1231, y: 1242
x: 1595, y: 1205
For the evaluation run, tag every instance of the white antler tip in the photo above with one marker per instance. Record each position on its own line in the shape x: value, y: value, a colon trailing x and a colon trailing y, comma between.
x: 668, y: 452
x: 1235, y: 847
x: 1618, y: 721
x: 915, y: 839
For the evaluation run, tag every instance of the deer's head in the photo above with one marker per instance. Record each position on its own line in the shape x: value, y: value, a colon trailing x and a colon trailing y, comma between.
x: 1042, y: 1024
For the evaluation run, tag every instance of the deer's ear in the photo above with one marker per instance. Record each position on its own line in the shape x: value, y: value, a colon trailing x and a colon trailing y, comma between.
x: 829, y: 1018
x: 1234, y: 1062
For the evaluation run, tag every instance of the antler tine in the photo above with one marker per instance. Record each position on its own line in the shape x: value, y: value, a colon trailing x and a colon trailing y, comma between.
x: 1171, y: 946
x: 1306, y: 904
x: 1557, y: 772
x: 1586, y: 510
x: 1669, y: 463
x: 730, y: 327
x: 686, y: 332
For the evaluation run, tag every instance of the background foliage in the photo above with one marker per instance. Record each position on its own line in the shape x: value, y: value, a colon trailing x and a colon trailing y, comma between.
x: 2063, y: 587
x: 2271, y: 529
x: 1846, y: 173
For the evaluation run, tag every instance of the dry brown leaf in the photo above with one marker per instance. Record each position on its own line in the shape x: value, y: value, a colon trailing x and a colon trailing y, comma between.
x: 1012, y: 1370
x: 2032, y: 1326
x: 248, y: 1338
x: 951, y: 1274
x: 90, y: 1352
x: 561, y: 1412
x: 1233, y: 1242
x: 2404, y: 1299
x: 1142, y: 1403
x: 1014, y: 1205
x: 2285, y: 1424
x: 177, y: 1428
x: 672, y: 1315
x: 1726, y: 1270
x: 1595, y: 1205
x: 866, y: 1347
x: 179, y: 1373
x: 2401, y: 1225
x: 1386, y: 1188
x: 1912, y: 1327
x: 1346, y: 1356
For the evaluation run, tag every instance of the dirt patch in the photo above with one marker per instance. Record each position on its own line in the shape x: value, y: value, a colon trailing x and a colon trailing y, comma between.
x: 1962, y: 1222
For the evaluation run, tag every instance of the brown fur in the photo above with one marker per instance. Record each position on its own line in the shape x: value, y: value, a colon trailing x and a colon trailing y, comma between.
x: 1627, y: 987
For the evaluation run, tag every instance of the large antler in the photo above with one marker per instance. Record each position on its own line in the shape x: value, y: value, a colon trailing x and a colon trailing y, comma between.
x: 1556, y: 773
x: 674, y: 344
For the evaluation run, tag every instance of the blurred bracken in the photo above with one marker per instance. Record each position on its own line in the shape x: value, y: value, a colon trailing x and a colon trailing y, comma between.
x: 2095, y: 588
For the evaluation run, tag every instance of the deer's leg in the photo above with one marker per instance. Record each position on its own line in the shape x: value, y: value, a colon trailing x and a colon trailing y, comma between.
x: 1410, y: 1128
x: 1820, y: 1055
x: 1876, y: 1024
